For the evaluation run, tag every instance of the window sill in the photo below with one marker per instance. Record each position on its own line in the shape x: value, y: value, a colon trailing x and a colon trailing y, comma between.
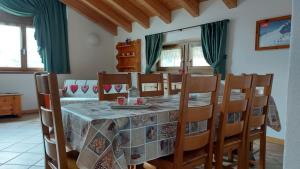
x: 20, y: 71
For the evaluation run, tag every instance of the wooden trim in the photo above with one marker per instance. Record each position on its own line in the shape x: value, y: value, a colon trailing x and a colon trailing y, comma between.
x: 159, y: 9
x: 258, y: 23
x: 275, y: 140
x: 92, y: 15
x: 109, y: 13
x: 30, y: 111
x: 4, y: 70
x: 231, y: 3
x: 192, y: 6
x: 131, y: 11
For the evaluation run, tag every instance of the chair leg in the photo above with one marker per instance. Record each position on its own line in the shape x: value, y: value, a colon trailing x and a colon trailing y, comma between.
x: 219, y: 160
x: 241, y: 158
x: 262, y: 152
x: 149, y: 166
x: 131, y: 167
x: 230, y: 156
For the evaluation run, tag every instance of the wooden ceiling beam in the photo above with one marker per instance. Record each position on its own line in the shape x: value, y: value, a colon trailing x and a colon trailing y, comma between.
x: 231, y: 3
x: 159, y: 9
x: 192, y: 6
x: 131, y: 11
x: 92, y: 15
x: 109, y: 13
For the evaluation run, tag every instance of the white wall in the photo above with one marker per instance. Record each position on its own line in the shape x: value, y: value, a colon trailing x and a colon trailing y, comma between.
x: 241, y: 39
x: 85, y: 59
x: 292, y: 142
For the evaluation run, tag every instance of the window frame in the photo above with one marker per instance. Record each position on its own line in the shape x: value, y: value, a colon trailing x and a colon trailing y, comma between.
x: 197, y: 69
x: 171, y: 46
x: 186, y: 62
x: 22, y: 23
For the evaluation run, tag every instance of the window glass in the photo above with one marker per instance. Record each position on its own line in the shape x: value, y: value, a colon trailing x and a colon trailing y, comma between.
x: 33, y: 58
x: 198, y: 57
x: 10, y: 46
x: 170, y: 58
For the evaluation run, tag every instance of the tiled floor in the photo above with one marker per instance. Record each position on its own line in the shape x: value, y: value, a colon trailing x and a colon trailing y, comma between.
x: 21, y: 145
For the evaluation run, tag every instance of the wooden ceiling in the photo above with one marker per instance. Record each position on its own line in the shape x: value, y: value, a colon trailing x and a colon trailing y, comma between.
x: 110, y: 14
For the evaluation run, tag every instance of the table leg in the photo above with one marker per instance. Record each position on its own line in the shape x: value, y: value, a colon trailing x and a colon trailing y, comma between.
x: 132, y: 167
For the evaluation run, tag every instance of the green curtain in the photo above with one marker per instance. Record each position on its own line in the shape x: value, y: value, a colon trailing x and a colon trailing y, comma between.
x: 213, y: 38
x: 50, y: 23
x: 153, y: 49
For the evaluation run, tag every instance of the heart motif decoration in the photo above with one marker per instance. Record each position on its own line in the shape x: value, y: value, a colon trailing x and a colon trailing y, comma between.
x: 74, y: 88
x: 95, y: 89
x: 84, y: 88
x: 118, y: 87
x: 107, y: 87
x: 65, y: 89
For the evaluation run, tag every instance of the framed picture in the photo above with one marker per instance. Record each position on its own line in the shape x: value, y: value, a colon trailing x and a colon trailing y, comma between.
x: 273, y: 33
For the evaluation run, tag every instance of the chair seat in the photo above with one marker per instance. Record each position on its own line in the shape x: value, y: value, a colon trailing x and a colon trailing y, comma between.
x: 255, y: 134
x: 190, y: 158
x: 231, y: 144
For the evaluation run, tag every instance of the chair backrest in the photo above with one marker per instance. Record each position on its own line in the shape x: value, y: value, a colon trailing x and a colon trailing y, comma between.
x: 51, y: 120
x: 157, y: 79
x: 174, y: 80
x: 243, y: 84
x: 187, y: 114
x: 80, y: 88
x: 260, y: 100
x: 106, y: 81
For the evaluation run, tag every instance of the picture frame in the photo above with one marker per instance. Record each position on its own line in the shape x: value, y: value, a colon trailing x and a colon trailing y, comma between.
x: 273, y: 33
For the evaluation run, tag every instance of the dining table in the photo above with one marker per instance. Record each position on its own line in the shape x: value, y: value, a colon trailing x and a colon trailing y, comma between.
x: 115, y: 138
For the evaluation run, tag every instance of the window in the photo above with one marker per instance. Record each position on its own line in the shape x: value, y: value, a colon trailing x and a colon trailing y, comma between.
x: 18, y: 48
x: 171, y: 57
x: 183, y: 56
x: 197, y: 56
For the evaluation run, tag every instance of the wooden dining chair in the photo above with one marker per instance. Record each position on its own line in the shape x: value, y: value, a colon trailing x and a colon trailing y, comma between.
x: 56, y: 156
x: 174, y: 79
x: 257, y: 120
x: 156, y: 79
x: 107, y: 80
x: 192, y: 150
x: 232, y: 136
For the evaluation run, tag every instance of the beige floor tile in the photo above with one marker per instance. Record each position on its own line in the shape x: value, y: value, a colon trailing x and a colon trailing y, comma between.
x: 6, y: 156
x: 37, y: 167
x: 40, y: 163
x: 14, y: 167
x: 39, y: 148
x: 4, y: 145
x: 20, y: 147
x: 26, y: 159
x: 33, y: 139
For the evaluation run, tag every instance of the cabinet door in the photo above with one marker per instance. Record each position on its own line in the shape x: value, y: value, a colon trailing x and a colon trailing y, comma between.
x: 6, y: 106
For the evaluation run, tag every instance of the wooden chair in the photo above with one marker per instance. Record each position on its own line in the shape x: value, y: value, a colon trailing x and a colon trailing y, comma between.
x: 154, y: 79
x: 194, y: 149
x: 51, y: 121
x: 257, y: 122
x: 232, y: 136
x: 174, y: 78
x: 112, y: 79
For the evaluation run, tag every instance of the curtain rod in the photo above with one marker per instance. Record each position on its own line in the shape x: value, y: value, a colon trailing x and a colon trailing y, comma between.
x: 189, y: 27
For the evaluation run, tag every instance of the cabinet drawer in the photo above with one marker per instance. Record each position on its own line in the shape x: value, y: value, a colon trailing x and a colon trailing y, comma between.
x: 6, y: 100
x: 6, y: 109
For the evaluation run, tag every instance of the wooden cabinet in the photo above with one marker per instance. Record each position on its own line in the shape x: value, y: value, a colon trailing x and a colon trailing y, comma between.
x: 10, y: 104
x: 129, y: 56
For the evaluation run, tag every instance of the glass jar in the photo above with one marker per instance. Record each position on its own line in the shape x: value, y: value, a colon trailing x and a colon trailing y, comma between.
x: 133, y: 94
